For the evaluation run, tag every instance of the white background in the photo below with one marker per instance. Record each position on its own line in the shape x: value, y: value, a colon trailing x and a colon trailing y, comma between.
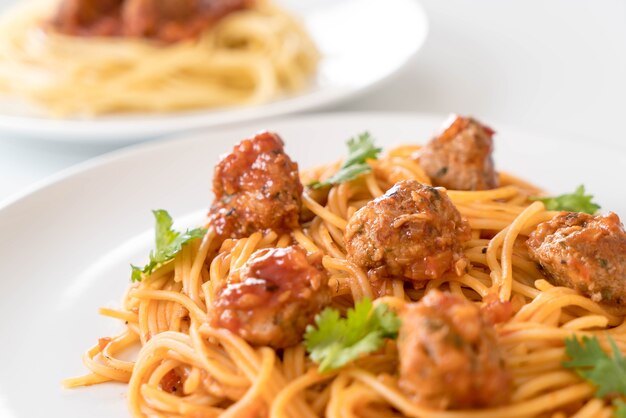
x: 552, y: 66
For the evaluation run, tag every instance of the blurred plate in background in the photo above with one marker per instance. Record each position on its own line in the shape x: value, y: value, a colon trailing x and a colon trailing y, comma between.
x: 362, y: 43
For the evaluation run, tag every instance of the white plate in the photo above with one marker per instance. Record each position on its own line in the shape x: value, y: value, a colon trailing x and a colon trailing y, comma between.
x: 362, y: 43
x: 66, y: 246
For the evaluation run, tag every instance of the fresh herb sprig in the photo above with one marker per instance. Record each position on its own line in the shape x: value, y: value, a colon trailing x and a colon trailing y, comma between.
x: 590, y: 362
x: 168, y: 243
x: 360, y: 149
x: 606, y: 373
x: 571, y: 202
x: 334, y: 341
x: 620, y: 408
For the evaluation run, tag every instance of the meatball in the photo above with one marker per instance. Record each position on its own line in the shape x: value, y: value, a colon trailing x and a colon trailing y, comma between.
x: 583, y: 252
x: 174, y: 20
x: 412, y: 232
x: 257, y: 187
x: 449, y: 356
x: 272, y: 298
x: 460, y: 157
x: 165, y: 20
x: 146, y: 17
x: 73, y: 16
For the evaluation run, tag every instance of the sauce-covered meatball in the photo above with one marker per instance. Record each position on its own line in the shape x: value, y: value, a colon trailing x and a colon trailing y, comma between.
x: 449, y: 356
x: 584, y: 252
x: 257, y: 188
x: 75, y: 16
x: 272, y: 298
x: 174, y: 20
x: 460, y: 157
x: 165, y: 20
x: 413, y: 232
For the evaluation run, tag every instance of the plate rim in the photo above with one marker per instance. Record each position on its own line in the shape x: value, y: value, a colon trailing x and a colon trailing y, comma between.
x: 173, y: 139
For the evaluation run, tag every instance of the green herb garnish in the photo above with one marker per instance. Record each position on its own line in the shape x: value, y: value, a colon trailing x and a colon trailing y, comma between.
x: 606, y: 373
x: 573, y: 202
x: 168, y: 243
x: 620, y: 408
x: 335, y: 341
x: 590, y: 362
x: 360, y: 149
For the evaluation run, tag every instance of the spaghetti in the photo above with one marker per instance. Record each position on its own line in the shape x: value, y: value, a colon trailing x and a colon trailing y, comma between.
x: 249, y: 56
x: 186, y: 367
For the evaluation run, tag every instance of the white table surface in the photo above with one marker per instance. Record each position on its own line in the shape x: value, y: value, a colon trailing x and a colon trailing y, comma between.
x: 557, y: 67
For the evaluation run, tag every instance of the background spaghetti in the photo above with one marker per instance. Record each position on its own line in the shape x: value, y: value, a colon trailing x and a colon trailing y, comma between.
x: 248, y: 56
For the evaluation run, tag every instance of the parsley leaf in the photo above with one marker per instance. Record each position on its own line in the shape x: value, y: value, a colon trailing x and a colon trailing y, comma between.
x: 607, y: 373
x: 167, y: 244
x: 573, y: 202
x: 620, y: 408
x: 335, y: 341
x: 360, y: 149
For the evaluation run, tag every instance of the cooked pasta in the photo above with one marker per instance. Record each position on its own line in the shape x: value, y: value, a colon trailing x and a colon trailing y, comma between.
x: 188, y: 366
x: 249, y: 56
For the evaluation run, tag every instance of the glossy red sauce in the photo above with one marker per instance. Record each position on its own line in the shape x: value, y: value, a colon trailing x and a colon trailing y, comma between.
x: 456, y: 124
x: 163, y: 20
x: 278, y: 274
x: 171, y: 382
x: 272, y: 299
x: 103, y: 342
